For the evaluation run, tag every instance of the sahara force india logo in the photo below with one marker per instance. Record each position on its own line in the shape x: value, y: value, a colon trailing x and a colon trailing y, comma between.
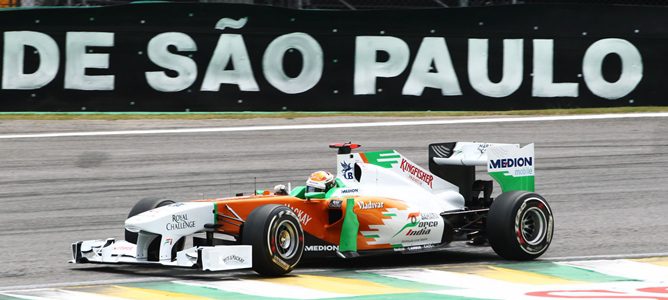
x: 418, y: 225
x: 409, y: 168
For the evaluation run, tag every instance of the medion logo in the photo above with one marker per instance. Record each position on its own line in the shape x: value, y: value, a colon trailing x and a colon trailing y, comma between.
x: 321, y: 248
x: 511, y: 162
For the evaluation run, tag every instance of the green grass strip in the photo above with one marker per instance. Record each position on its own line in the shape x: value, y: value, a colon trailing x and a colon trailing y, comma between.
x: 390, y: 281
x: 194, y: 290
x: 563, y: 272
x: 292, y: 115
x: 5, y: 297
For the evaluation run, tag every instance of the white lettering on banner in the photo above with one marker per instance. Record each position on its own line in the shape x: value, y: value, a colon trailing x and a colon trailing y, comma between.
x: 543, y: 73
x: 367, y: 66
x: 312, y: 63
x: 230, y: 49
x: 77, y: 61
x: 230, y: 64
x: 432, y: 50
x: 13, y: 76
x: 592, y: 66
x: 479, y: 67
x: 185, y: 67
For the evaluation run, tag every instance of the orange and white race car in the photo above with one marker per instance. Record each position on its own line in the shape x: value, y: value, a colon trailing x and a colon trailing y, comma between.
x: 379, y: 202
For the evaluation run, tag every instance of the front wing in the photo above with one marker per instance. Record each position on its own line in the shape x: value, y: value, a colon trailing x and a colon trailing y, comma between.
x: 206, y: 258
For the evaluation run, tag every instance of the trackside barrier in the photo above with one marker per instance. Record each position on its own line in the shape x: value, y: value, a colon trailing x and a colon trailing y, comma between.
x: 227, y: 57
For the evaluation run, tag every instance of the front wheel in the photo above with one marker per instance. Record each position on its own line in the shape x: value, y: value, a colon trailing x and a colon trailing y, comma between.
x: 277, y: 239
x: 520, y: 225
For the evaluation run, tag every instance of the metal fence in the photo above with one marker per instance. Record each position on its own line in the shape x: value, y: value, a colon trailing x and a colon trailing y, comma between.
x: 345, y: 4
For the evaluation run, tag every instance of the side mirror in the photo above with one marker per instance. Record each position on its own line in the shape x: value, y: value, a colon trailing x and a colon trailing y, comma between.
x: 315, y: 195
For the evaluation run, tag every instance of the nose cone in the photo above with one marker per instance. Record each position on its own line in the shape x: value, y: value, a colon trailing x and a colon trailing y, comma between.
x: 175, y: 219
x: 133, y: 224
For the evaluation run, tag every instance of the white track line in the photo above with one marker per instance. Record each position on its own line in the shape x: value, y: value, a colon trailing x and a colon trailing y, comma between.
x: 623, y: 268
x: 338, y: 125
x: 604, y: 256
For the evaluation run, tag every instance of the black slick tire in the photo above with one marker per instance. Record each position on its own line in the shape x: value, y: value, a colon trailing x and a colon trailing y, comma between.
x: 277, y: 239
x: 143, y: 205
x: 520, y: 225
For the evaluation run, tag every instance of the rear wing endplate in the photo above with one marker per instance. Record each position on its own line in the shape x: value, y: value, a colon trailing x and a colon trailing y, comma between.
x: 510, y: 165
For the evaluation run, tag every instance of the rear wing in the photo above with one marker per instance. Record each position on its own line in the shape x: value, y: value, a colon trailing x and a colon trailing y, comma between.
x: 510, y: 165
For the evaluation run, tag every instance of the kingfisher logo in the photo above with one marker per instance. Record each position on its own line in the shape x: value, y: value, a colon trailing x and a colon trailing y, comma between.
x: 409, y: 168
x: 511, y: 162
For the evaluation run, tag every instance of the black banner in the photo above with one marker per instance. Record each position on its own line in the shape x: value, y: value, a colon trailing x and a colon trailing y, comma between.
x: 224, y: 57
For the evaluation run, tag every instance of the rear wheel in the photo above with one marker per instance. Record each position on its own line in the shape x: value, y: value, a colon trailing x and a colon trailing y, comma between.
x: 277, y: 239
x: 520, y: 225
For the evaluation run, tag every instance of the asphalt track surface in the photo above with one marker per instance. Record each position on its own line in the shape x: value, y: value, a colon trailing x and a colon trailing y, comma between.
x: 606, y: 181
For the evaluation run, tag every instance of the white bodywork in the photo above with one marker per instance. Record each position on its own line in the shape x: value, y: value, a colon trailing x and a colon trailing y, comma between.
x: 168, y: 223
x: 401, y: 179
x: 471, y: 154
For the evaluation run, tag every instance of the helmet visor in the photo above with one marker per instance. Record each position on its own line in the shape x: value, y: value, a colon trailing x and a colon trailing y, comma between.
x: 311, y: 189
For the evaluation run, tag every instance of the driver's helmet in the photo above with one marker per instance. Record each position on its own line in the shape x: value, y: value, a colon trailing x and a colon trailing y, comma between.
x: 320, y: 181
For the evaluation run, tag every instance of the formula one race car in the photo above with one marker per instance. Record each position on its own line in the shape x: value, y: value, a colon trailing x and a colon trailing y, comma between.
x: 380, y: 202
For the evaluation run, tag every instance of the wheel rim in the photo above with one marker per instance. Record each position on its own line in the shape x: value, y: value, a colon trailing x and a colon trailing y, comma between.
x: 286, y: 239
x: 534, y: 223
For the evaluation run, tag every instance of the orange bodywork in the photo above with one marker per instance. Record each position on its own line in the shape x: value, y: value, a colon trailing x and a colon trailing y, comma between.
x: 313, y: 215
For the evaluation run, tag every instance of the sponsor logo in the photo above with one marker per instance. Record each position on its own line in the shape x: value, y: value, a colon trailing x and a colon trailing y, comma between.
x: 232, y: 260
x: 346, y: 170
x: 420, y: 247
x: 319, y: 248
x: 370, y: 205
x: 335, y: 203
x: 429, y: 216
x: 483, y: 148
x: 302, y: 216
x: 180, y: 221
x: 409, y: 168
x: 177, y: 204
x: 412, y: 222
x: 349, y: 191
x: 423, y: 228
x: 123, y: 248
x: 281, y: 263
x: 511, y: 162
x: 413, y: 240
x: 417, y: 225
